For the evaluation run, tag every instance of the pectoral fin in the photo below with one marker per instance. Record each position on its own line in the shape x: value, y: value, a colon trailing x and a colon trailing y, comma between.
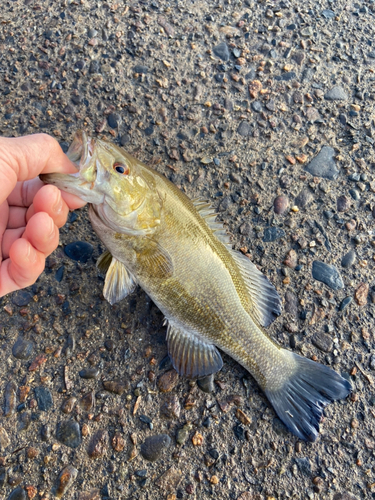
x: 118, y: 281
x: 154, y: 259
x: 191, y: 356
x: 104, y: 262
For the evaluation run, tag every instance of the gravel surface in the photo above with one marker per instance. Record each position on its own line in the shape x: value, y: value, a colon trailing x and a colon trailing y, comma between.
x: 266, y: 108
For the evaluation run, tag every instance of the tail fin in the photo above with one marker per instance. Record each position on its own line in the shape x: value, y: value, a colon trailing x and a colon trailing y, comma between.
x: 300, y: 402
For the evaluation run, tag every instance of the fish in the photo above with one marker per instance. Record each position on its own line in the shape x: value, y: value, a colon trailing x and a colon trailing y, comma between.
x: 212, y: 296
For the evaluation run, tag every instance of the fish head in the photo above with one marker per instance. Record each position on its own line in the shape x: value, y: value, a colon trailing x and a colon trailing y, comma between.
x: 110, y: 179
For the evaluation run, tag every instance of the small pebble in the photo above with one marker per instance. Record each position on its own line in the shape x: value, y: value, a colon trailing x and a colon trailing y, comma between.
x: 18, y: 494
x: 168, y: 381
x: 361, y: 294
x: 324, y: 164
x: 22, y: 348
x: 336, y: 94
x: 64, y: 481
x: 221, y: 51
x: 323, y: 341
x: 44, y: 398
x: 10, y: 395
x: 171, y: 408
x: 115, y: 386
x: 114, y: 120
x: 99, y: 444
x: 206, y: 384
x: 153, y: 446
x: 89, y: 373
x: 343, y: 203
x: 345, y: 302
x: 348, y: 259
x: 281, y: 204
x: 304, y: 198
x: 273, y: 234
x: 21, y: 298
x: 183, y: 434
x: 69, y: 433
x: 327, y: 274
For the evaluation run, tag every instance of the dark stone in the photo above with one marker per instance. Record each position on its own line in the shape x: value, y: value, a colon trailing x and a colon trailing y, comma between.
x: 291, y: 303
x: 171, y: 407
x: 69, y: 433
x: 328, y: 14
x: 44, y: 398
x: 244, y: 129
x: 324, y: 164
x: 273, y: 234
x: 80, y: 64
x: 149, y: 130
x: 291, y: 75
x: 45, y: 432
x: 94, y: 67
x: 21, y: 298
x: 154, y: 446
x: 343, y: 203
x: 60, y: 274
x: 354, y: 194
x: 344, y: 304
x: 214, y: 453
x: 92, y: 32
x: 348, y: 259
x: 225, y: 203
x: 140, y: 69
x: 280, y: 204
x: 245, y: 229
x: 239, y: 432
x: 99, y: 444
x: 304, y: 198
x: 114, y: 120
x: 24, y: 421
x: 219, y: 77
x: 206, y: 384
x: 327, y: 274
x: 22, y: 348
x: 221, y: 51
x: 322, y: 341
x: 304, y: 465
x: 80, y: 251
x: 89, y: 373
x: 336, y: 94
x: 124, y: 139
x: 256, y: 106
x: 18, y: 494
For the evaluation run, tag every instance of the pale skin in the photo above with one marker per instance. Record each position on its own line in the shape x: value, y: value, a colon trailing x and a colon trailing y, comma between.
x: 30, y: 212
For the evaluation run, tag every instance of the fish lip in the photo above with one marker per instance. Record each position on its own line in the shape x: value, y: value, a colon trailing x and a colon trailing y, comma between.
x: 81, y: 149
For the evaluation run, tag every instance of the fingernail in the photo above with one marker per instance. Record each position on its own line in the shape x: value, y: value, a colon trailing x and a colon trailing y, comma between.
x: 52, y: 229
x: 58, y: 204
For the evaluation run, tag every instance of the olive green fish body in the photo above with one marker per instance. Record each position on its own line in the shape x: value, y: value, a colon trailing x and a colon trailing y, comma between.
x: 212, y: 296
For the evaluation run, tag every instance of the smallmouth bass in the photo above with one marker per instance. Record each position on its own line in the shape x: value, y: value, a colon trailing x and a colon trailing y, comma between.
x: 212, y: 296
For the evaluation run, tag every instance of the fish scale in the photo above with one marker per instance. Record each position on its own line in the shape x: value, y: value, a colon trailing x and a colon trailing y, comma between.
x: 212, y: 296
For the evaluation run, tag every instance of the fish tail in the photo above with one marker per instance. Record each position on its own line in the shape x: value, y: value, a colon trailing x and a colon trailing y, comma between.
x: 300, y: 401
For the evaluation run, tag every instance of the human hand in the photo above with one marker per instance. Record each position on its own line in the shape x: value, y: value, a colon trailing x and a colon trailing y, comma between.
x: 30, y: 212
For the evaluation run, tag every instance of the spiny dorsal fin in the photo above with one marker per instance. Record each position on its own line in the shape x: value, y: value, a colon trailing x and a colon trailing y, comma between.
x: 264, y: 296
x: 191, y: 356
x: 118, y: 282
x: 209, y: 214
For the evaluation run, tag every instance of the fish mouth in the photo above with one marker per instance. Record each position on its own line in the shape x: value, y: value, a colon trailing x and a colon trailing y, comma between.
x: 81, y: 183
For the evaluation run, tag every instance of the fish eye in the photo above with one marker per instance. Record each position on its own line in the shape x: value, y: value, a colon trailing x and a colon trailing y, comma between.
x: 121, y: 168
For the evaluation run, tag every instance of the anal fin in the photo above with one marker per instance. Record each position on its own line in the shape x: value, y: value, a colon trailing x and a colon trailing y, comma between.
x: 103, y: 262
x: 192, y: 356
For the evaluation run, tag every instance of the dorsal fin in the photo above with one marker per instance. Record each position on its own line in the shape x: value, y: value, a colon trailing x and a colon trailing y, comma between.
x: 209, y: 214
x: 264, y: 296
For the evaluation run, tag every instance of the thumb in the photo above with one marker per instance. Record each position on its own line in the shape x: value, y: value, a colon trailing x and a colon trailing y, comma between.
x: 24, y: 158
